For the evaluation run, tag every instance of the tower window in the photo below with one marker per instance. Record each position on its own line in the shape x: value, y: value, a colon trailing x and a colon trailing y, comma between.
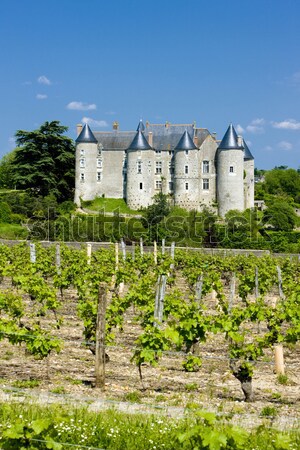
x: 81, y: 152
x: 186, y: 152
x: 139, y: 167
x: 205, y: 184
x: 99, y: 162
x: 158, y: 152
x: 99, y: 176
x: 205, y: 167
x: 158, y: 184
x: 82, y: 162
x: 158, y: 167
x: 186, y: 169
x: 82, y: 177
x: 171, y: 168
x: 186, y: 186
x: 231, y: 169
x: 141, y: 185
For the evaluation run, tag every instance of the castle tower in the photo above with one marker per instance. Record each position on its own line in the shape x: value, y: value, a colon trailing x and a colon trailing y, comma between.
x: 249, y: 177
x: 230, y: 173
x: 140, y: 172
x: 186, y: 177
x: 86, y: 167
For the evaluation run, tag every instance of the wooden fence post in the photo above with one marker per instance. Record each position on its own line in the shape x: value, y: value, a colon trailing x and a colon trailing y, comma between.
x: 100, y: 338
x: 141, y: 247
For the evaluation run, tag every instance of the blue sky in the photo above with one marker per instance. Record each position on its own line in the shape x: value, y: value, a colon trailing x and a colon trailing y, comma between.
x: 213, y: 62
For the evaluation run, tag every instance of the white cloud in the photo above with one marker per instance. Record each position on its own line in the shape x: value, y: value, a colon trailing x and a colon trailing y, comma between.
x: 285, y: 145
x: 288, y: 124
x: 268, y: 148
x: 41, y: 96
x: 256, y: 126
x: 239, y: 129
x: 95, y: 123
x: 81, y: 106
x: 44, y: 80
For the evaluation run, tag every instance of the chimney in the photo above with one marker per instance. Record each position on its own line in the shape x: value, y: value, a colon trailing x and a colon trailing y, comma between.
x: 150, y: 138
x: 240, y: 141
x: 116, y: 125
x: 79, y: 128
x: 196, y: 140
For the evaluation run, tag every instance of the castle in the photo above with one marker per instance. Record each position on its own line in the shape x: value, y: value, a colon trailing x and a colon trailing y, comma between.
x: 182, y: 161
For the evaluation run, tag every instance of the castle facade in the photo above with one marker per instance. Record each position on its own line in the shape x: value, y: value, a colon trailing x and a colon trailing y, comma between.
x: 182, y: 161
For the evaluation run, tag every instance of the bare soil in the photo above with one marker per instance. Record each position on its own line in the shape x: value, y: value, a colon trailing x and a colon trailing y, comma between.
x: 69, y: 376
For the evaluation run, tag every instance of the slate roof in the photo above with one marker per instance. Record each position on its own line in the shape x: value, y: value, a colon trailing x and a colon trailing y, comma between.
x: 86, y: 135
x: 141, y: 126
x: 230, y: 140
x: 164, y: 136
x: 186, y: 142
x: 247, y: 154
x: 139, y: 142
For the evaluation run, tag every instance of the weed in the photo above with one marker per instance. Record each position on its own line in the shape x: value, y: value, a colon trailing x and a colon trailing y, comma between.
x: 282, y: 379
x: 23, y: 384
x: 134, y: 397
x: 191, y: 387
x: 58, y: 390
x: 269, y: 411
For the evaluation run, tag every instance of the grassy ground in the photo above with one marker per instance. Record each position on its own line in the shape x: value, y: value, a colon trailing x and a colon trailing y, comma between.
x: 12, y: 231
x: 57, y: 427
x: 109, y: 205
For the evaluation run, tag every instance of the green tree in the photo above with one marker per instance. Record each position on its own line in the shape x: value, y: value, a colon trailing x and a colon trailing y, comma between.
x: 284, y: 182
x: 281, y: 216
x: 6, y: 171
x: 44, y: 161
x: 154, y: 217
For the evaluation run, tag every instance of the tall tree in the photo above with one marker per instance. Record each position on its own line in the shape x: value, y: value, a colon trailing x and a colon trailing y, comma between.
x: 44, y: 161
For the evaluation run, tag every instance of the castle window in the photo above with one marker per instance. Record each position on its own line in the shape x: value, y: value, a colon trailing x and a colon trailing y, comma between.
x: 171, y: 168
x: 82, y: 177
x: 205, y: 167
x: 141, y: 185
x: 81, y: 152
x: 186, y: 186
x: 158, y: 152
x: 205, y: 184
x: 186, y: 169
x: 158, y: 167
x: 158, y: 184
x: 82, y: 162
x: 99, y: 162
x: 139, y: 167
x: 99, y: 176
x: 186, y: 152
x: 171, y: 186
x: 231, y: 169
x: 99, y: 149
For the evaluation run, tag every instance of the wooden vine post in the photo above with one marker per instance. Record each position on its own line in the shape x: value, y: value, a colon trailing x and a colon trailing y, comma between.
x: 100, y: 338
x: 57, y: 258
x: 278, y: 348
x: 32, y: 253
x: 89, y: 253
x: 155, y: 252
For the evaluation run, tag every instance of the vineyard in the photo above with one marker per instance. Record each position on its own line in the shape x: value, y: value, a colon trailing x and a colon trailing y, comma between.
x: 170, y: 328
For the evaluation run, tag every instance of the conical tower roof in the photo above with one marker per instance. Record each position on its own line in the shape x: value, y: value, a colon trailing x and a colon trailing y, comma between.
x: 230, y: 140
x: 141, y: 126
x: 247, y: 154
x: 186, y: 142
x: 139, y: 142
x: 86, y: 136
